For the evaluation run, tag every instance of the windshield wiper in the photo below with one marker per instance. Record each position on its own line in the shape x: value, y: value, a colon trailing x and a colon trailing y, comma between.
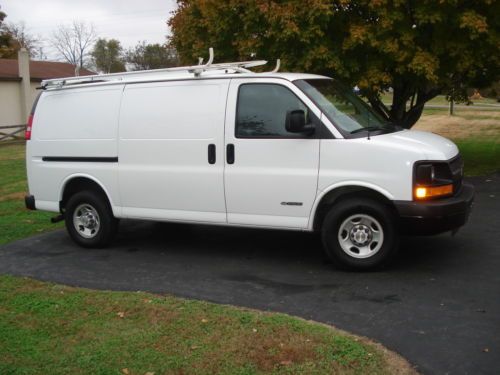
x: 368, y: 128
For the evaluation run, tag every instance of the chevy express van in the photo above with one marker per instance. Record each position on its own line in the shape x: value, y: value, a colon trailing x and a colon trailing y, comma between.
x: 219, y: 144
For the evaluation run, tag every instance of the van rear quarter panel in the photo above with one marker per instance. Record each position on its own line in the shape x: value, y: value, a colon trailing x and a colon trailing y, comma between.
x: 77, y: 122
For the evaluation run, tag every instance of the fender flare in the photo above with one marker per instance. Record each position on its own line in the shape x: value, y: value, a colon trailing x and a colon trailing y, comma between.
x: 70, y: 177
x: 322, y: 193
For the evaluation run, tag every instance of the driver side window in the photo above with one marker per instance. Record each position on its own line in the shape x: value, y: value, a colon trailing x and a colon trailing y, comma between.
x: 262, y: 108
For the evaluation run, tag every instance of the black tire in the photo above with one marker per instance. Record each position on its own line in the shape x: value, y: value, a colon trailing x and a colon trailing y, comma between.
x: 108, y: 224
x: 348, y: 259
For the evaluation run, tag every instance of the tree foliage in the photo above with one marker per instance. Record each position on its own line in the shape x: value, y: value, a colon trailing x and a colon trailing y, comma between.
x: 419, y: 49
x: 6, y: 40
x: 151, y: 56
x: 13, y: 37
x: 107, y: 56
x: 21, y: 38
x: 74, y: 42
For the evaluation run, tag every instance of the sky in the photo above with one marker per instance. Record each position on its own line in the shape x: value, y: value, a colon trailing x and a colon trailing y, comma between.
x: 129, y: 21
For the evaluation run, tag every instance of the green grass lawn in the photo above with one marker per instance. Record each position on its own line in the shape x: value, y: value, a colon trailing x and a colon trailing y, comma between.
x: 53, y: 329
x: 15, y: 221
x: 481, y: 157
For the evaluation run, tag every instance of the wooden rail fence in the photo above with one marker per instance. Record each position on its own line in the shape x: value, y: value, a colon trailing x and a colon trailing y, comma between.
x: 12, y: 133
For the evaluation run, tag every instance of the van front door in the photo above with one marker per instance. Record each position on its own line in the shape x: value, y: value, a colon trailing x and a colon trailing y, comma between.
x: 271, y: 174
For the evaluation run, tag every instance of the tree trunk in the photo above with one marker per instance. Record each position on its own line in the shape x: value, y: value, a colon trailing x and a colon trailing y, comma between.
x: 405, y: 111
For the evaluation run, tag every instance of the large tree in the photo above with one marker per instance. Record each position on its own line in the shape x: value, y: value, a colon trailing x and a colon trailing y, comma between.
x: 419, y: 49
x: 21, y: 38
x: 74, y: 42
x: 151, y: 56
x: 14, y: 37
x: 107, y: 56
x: 6, y: 40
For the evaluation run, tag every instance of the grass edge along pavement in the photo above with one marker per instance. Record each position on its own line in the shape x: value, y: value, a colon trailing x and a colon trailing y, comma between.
x: 54, y: 329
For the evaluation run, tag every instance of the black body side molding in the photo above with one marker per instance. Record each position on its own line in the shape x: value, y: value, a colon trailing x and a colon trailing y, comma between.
x: 83, y: 159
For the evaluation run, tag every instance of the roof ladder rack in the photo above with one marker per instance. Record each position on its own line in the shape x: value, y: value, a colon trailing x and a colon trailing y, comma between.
x: 197, y: 70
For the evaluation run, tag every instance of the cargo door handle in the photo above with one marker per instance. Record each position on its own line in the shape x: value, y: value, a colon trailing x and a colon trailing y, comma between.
x: 211, y: 153
x: 230, y: 153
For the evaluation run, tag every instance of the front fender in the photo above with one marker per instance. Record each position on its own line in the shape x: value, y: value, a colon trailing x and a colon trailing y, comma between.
x: 342, y: 184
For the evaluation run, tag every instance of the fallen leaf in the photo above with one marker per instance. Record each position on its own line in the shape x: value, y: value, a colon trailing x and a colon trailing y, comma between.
x: 125, y: 371
x: 121, y: 314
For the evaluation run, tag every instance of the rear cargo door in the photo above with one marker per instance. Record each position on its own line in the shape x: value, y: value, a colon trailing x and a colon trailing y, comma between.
x: 171, y: 140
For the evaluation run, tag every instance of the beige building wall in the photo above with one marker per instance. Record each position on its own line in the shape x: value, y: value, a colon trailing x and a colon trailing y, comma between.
x: 11, y: 112
x: 10, y: 103
x: 17, y: 96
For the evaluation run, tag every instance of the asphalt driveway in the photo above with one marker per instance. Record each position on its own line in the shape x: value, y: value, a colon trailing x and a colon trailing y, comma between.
x: 438, y: 305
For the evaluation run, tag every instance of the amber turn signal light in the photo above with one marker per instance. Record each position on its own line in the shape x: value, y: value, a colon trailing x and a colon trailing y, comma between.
x: 423, y: 192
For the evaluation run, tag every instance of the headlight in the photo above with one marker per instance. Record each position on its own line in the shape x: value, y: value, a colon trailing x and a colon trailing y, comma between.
x: 432, y: 180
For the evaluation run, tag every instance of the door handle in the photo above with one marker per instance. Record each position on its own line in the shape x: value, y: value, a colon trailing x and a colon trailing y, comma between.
x: 230, y: 153
x: 211, y: 153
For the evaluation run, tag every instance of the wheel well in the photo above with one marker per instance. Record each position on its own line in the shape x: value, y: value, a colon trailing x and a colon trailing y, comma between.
x: 78, y: 184
x: 342, y: 193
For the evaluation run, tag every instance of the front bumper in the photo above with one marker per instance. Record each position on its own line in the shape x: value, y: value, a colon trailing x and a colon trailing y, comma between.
x: 437, y: 216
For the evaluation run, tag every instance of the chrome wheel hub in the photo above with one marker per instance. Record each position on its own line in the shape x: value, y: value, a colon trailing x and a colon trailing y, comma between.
x: 360, y: 236
x: 86, y: 220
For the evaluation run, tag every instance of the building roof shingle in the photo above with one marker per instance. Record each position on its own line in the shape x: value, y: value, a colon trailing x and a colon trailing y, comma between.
x: 39, y: 70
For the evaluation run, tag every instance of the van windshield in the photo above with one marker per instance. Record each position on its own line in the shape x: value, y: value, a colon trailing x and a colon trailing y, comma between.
x: 343, y: 107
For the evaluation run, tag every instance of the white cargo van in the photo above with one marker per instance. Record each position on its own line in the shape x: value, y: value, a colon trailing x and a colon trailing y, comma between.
x: 219, y: 144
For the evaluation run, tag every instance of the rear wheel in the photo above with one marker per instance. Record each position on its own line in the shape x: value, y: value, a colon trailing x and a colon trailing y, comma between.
x: 360, y: 234
x: 89, y: 220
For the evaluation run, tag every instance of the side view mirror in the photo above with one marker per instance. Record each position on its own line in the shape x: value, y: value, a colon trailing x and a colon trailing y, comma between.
x: 296, y: 122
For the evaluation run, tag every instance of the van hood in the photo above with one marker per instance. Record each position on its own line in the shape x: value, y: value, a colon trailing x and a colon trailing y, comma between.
x: 430, y: 145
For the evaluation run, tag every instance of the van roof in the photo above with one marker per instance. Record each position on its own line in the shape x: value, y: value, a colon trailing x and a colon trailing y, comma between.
x: 193, y: 72
x: 152, y: 76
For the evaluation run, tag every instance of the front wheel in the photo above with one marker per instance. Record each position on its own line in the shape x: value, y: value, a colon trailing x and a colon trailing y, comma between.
x: 89, y: 220
x: 360, y: 233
